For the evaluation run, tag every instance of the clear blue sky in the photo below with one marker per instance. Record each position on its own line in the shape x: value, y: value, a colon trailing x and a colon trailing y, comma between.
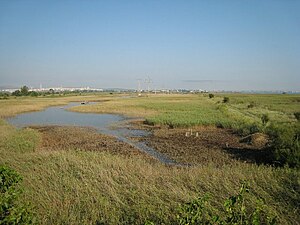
x: 230, y: 45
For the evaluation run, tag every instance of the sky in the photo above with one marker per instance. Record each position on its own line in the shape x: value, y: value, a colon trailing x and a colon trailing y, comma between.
x: 212, y: 45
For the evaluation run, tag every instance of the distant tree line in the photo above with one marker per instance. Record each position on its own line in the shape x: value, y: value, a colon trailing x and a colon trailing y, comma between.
x: 24, y: 91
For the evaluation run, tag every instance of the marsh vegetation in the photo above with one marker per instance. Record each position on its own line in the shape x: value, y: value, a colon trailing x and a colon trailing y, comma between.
x: 74, y: 175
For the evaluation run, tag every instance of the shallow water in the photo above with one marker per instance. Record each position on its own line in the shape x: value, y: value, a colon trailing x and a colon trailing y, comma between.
x: 110, y: 124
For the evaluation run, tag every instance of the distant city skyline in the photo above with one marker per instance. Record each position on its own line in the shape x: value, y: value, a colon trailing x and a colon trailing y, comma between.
x: 208, y: 45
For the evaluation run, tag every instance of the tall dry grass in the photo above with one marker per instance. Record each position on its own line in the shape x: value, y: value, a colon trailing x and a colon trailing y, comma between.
x: 81, y: 187
x: 15, y: 105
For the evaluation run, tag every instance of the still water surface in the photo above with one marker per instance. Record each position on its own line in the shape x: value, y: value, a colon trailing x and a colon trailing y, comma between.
x: 110, y: 124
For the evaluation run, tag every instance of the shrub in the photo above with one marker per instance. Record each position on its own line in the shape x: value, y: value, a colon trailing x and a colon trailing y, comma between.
x: 33, y: 93
x: 16, y: 93
x: 4, y: 95
x: 225, y: 99
x: 244, y: 128
x: 264, y: 119
x: 297, y: 115
x: 211, y: 95
x: 285, y: 144
x: 8, y: 178
x: 195, y: 212
x: 199, y: 211
x: 251, y: 105
x: 24, y: 90
x: 11, y: 211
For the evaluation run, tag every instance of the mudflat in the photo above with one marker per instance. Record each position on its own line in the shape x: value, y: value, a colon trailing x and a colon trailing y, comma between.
x: 207, y: 144
x: 56, y: 138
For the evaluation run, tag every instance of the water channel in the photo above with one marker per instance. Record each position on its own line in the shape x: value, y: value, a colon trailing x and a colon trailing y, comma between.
x: 110, y: 124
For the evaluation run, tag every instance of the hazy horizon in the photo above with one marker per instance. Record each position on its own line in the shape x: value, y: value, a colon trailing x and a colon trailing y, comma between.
x: 209, y: 45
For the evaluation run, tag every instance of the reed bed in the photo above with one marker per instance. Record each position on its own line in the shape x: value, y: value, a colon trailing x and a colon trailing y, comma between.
x: 75, y: 186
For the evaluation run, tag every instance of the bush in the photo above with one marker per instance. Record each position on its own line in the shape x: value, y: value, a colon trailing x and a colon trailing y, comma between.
x: 297, y: 115
x: 211, y: 95
x: 265, y: 119
x: 195, y: 212
x: 4, y: 95
x: 199, y: 211
x: 16, y: 93
x: 244, y: 128
x: 33, y: 93
x: 251, y: 105
x: 8, y: 178
x: 225, y: 99
x: 11, y: 211
x: 285, y: 144
x: 24, y: 90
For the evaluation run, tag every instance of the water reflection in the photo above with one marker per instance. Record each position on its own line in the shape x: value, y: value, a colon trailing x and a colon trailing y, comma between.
x: 110, y: 124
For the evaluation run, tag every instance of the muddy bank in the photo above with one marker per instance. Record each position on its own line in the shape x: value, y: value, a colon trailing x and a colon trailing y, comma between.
x: 55, y: 138
x: 207, y: 145
x: 53, y: 120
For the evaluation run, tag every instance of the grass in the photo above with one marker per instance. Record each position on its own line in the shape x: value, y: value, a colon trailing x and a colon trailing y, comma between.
x: 195, y: 110
x: 178, y: 110
x: 73, y: 186
x: 15, y: 105
x: 80, y: 187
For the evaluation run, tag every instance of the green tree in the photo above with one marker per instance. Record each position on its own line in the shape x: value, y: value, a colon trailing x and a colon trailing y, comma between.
x: 16, y: 93
x: 4, y: 95
x: 24, y: 90
x: 33, y: 93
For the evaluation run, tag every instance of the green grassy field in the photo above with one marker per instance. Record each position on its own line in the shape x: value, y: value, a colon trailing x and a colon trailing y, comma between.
x: 70, y: 186
x: 199, y: 109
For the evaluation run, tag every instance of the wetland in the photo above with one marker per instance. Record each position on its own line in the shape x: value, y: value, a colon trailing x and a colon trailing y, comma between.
x: 89, y: 164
